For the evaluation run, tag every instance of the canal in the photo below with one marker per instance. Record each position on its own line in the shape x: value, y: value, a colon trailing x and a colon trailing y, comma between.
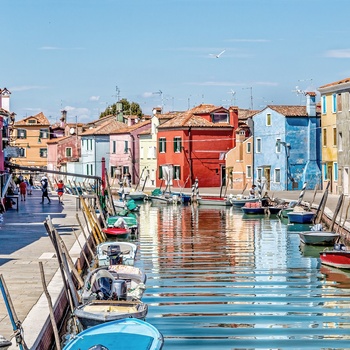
x: 219, y: 280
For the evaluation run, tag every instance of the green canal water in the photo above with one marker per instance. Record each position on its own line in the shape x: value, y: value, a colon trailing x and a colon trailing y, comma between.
x: 219, y: 280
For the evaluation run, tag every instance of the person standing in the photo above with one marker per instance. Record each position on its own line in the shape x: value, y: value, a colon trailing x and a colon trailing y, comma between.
x: 252, y: 192
x: 30, y: 186
x: 23, y: 190
x: 60, y: 190
x: 44, y: 189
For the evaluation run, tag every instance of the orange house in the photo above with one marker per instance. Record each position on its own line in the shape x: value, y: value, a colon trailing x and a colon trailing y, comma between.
x: 193, y: 144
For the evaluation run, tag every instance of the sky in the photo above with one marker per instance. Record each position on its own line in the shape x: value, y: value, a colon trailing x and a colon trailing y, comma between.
x: 83, y: 55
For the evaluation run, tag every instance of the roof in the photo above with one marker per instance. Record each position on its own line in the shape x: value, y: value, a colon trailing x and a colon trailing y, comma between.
x: 290, y: 111
x: 40, y: 118
x: 58, y: 139
x: 104, y: 129
x: 343, y: 81
x: 127, y: 129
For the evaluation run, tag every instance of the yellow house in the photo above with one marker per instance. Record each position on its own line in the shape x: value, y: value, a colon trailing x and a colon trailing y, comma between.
x: 329, y: 148
x: 30, y: 136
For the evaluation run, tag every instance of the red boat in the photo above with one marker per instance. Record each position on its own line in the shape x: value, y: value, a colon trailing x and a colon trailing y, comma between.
x: 336, y: 258
x: 117, y: 232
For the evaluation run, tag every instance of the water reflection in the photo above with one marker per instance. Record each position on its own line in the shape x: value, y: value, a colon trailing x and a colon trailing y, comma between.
x: 218, y: 280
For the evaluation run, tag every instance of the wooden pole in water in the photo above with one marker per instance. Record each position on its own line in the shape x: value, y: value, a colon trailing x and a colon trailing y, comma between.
x: 336, y: 211
x: 109, y: 195
x: 314, y: 196
x: 301, y: 195
x: 86, y: 238
x: 49, y: 302
x: 321, y: 206
x: 245, y: 187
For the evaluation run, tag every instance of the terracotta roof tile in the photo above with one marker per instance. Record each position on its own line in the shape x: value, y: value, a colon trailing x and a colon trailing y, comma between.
x: 290, y: 111
x: 105, y: 128
x: 131, y: 128
x: 40, y: 118
x: 343, y: 81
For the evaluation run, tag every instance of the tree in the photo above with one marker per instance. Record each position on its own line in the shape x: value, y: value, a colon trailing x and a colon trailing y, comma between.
x: 128, y: 108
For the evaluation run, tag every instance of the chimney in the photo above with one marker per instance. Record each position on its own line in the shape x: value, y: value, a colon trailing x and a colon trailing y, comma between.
x: 311, y: 104
x: 63, y: 118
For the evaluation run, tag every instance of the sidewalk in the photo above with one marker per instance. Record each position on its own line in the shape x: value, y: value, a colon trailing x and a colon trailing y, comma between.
x: 23, y: 243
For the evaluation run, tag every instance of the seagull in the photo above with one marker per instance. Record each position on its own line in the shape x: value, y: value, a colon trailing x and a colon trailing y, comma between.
x: 217, y: 56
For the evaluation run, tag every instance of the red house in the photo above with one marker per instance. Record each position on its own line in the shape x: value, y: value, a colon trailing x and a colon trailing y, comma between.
x: 193, y: 144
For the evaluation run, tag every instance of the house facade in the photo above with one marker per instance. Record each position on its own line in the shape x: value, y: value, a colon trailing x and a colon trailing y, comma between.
x: 193, y: 144
x: 335, y: 135
x: 287, y: 146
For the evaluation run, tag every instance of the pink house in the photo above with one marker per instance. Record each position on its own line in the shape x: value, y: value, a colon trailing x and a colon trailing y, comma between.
x: 125, y: 150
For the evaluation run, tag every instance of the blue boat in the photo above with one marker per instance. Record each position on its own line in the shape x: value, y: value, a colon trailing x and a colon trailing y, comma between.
x: 303, y: 217
x: 125, y: 334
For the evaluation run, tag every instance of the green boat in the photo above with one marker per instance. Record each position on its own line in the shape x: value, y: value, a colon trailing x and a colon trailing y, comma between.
x: 131, y: 221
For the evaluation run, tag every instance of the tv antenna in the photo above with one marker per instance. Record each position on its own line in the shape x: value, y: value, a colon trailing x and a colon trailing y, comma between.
x: 233, y: 98
x: 160, y: 93
x: 251, y: 96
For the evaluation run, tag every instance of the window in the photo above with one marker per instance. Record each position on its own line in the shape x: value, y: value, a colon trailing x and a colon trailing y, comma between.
x: 278, y: 146
x: 177, y: 144
x: 22, y: 133
x: 21, y: 152
x: 162, y: 145
x: 335, y: 170
x: 44, y: 133
x: 268, y: 119
x: 114, y: 147
x: 334, y: 136
x: 259, y: 173
x: 126, y: 146
x: 141, y: 152
x: 334, y: 103
x: 324, y: 142
x: 68, y: 151
x: 160, y: 172
x: 249, y: 147
x: 177, y: 172
x: 325, y: 172
x: 43, y: 152
x: 89, y: 169
x: 219, y: 117
x: 340, y: 142
x: 339, y: 104
x: 249, y: 171
x: 277, y: 175
x: 258, y: 145
x: 31, y: 121
x: 324, y: 105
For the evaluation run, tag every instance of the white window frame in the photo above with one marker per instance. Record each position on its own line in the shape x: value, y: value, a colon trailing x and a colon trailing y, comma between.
x: 258, y: 145
x: 277, y: 173
x: 249, y: 171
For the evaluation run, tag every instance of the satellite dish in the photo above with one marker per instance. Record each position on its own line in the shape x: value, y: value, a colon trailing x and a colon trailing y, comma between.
x: 72, y: 131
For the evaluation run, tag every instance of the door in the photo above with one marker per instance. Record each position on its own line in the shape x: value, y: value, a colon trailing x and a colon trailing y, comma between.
x: 330, y: 177
x: 267, y: 176
x: 223, y: 176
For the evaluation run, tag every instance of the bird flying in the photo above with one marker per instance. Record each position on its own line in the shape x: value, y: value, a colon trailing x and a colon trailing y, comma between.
x: 218, y: 55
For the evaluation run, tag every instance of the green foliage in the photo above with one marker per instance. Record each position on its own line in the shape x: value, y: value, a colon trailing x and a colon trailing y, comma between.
x: 128, y: 108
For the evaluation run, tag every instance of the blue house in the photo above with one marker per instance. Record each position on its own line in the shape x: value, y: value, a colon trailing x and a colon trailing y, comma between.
x: 287, y: 149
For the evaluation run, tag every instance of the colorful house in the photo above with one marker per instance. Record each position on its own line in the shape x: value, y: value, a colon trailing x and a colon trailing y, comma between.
x: 287, y: 146
x: 193, y: 145
x: 335, y: 135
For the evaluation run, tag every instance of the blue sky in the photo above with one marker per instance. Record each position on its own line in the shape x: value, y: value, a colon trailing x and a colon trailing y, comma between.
x: 73, y: 54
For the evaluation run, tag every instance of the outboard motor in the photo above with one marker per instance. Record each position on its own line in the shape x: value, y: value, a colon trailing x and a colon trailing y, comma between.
x: 104, y: 288
x: 119, y: 290
x: 114, y: 254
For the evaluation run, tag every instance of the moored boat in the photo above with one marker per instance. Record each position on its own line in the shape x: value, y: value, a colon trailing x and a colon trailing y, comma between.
x: 318, y: 237
x: 337, y: 257
x: 100, y: 311
x: 126, y: 334
x: 301, y: 217
x: 108, y: 252
x: 118, y: 232
x: 240, y: 201
x: 216, y: 201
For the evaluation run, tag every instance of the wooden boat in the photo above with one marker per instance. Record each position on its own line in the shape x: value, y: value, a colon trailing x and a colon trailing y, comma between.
x: 114, y: 282
x: 318, y: 237
x: 255, y: 208
x: 240, y: 201
x: 99, y: 311
x: 215, y: 201
x: 118, y: 232
x: 129, y: 220
x: 301, y: 217
x: 136, y: 195
x: 337, y: 257
x: 126, y: 334
x: 108, y: 252
x: 4, y: 344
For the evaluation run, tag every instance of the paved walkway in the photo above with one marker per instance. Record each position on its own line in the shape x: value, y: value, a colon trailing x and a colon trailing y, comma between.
x: 24, y: 242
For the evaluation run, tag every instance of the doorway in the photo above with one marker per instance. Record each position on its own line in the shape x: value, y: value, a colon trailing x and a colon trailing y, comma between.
x: 330, y: 177
x: 267, y: 178
x: 346, y: 181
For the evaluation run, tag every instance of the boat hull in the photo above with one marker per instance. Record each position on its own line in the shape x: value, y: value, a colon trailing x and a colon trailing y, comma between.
x: 301, y: 217
x: 101, y: 311
x: 336, y: 258
x: 121, y: 233
x: 126, y: 334
x: 318, y: 237
x: 127, y: 249
x: 222, y: 202
x: 254, y: 211
x: 240, y: 202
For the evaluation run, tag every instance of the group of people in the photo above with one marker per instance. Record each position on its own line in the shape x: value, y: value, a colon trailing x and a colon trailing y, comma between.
x: 26, y: 187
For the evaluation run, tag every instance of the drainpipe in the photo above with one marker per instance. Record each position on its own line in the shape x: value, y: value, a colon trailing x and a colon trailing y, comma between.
x: 133, y: 170
x: 189, y: 155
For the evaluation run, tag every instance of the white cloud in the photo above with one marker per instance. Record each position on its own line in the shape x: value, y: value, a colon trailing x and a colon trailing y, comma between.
x: 94, y: 98
x: 147, y: 94
x: 27, y: 87
x: 343, y: 53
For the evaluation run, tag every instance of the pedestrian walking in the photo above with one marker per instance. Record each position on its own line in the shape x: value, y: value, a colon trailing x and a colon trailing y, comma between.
x: 30, y: 186
x: 23, y: 190
x: 60, y: 190
x: 44, y: 189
